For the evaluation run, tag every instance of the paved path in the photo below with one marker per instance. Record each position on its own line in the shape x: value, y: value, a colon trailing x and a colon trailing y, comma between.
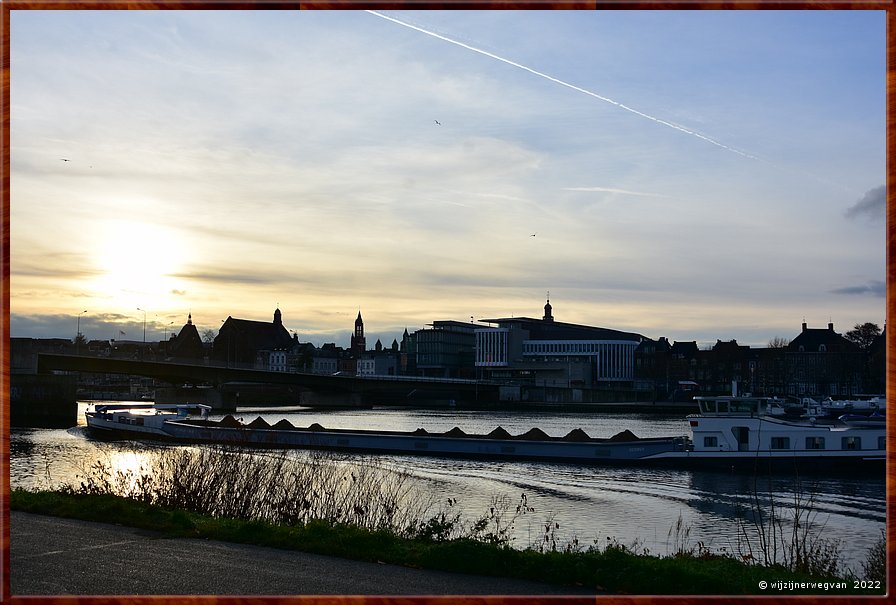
x: 55, y: 556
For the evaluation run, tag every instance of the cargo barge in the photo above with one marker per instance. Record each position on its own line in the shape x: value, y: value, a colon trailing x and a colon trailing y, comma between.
x: 727, y: 433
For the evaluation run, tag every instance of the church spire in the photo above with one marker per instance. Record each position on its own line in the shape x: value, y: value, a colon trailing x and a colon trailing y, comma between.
x: 358, y: 342
x: 547, y: 310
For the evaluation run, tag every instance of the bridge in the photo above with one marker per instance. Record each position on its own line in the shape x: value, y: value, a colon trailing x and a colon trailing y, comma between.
x: 322, y: 389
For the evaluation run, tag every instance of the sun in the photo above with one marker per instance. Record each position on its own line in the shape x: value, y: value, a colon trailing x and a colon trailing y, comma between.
x: 137, y: 261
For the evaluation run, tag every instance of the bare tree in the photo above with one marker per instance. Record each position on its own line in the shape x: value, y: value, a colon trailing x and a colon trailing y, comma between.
x: 778, y: 342
x: 208, y: 336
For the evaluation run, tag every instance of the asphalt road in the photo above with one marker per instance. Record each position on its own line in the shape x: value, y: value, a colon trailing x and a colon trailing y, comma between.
x: 55, y: 556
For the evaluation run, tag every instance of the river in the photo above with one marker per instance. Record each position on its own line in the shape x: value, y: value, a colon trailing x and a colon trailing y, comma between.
x: 590, y: 503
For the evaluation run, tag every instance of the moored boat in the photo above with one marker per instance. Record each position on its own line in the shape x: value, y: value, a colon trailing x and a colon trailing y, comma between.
x: 861, y: 404
x: 739, y: 431
x: 875, y: 419
x: 109, y: 421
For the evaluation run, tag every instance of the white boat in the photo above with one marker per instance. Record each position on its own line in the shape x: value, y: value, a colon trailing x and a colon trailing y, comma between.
x: 780, y: 407
x: 740, y: 429
x: 727, y: 433
x: 139, y: 420
x: 862, y: 404
x: 875, y: 419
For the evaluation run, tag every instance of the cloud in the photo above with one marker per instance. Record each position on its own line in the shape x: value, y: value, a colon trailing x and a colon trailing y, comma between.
x: 224, y: 276
x: 93, y: 326
x: 874, y: 288
x: 612, y: 190
x: 53, y: 264
x: 873, y: 205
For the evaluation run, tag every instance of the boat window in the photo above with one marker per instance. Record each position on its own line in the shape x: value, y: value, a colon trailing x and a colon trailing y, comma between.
x: 780, y: 443
x: 851, y: 443
x: 122, y: 419
x: 814, y: 443
x: 743, y: 406
x: 723, y: 406
x: 707, y: 407
x: 711, y: 441
x: 139, y: 421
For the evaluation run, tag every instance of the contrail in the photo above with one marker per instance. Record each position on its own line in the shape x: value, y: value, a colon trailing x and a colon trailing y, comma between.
x: 567, y: 84
x: 612, y: 190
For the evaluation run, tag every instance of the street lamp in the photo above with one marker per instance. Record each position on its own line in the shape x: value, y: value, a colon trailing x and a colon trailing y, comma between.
x: 78, y: 335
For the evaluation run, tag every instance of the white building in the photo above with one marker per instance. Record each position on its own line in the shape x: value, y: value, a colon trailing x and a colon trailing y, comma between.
x: 545, y: 351
x: 272, y: 361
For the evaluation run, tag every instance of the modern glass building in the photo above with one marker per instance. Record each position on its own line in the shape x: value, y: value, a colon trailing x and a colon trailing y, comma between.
x: 445, y: 350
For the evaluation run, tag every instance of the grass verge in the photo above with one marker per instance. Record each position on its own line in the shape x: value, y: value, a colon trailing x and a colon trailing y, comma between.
x: 613, y: 568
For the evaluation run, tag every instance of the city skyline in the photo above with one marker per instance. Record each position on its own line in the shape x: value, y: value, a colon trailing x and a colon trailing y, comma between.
x: 698, y: 175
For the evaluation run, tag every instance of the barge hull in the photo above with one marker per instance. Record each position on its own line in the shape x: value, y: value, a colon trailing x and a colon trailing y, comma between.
x: 665, y: 452
x: 404, y: 444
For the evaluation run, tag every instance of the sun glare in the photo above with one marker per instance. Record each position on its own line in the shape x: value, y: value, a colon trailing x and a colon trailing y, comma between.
x: 127, y: 467
x: 137, y: 262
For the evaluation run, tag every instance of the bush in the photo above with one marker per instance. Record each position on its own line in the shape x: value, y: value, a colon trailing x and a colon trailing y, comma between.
x: 875, y: 566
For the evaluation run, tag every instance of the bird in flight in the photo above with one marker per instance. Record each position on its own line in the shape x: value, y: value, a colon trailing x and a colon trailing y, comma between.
x: 65, y: 159
x: 534, y: 234
x: 437, y: 122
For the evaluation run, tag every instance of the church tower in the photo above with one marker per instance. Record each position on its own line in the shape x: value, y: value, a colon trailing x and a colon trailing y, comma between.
x: 359, y: 343
x: 547, y: 310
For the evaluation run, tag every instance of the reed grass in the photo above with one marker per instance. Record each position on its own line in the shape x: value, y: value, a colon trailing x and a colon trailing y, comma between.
x: 272, y: 486
x: 791, y: 537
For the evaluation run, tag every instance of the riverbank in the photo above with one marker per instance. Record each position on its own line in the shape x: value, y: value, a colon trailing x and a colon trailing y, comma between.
x: 594, y: 568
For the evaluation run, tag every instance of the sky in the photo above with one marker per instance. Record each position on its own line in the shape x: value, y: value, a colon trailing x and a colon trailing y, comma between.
x: 698, y: 175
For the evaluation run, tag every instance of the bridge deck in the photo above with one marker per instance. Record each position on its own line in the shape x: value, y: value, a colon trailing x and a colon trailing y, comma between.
x: 176, y: 373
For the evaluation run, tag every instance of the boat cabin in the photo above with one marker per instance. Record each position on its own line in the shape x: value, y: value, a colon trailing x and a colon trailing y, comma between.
x: 144, y: 414
x: 747, y: 425
x: 733, y: 406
